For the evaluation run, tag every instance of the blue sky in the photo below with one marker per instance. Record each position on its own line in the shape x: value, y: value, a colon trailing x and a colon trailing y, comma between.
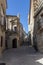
x: 19, y: 7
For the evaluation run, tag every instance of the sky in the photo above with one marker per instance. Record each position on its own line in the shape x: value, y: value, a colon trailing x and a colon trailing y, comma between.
x: 15, y: 7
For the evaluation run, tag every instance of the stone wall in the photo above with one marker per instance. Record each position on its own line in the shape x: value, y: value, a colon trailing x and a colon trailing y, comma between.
x: 38, y: 29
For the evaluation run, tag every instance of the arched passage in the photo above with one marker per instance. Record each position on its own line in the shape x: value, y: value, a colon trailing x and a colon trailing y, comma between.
x: 14, y: 43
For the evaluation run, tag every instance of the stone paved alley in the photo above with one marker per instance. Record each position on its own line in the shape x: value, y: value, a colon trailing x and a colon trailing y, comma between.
x: 21, y: 56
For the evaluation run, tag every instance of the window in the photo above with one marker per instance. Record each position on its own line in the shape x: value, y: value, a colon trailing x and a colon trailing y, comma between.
x: 15, y: 29
x: 2, y: 15
x: 38, y: 24
x: 2, y: 21
x: 1, y: 41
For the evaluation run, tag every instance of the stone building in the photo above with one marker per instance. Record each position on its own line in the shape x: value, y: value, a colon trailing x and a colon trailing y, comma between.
x: 13, y: 31
x: 36, y: 20
x: 21, y: 34
x: 31, y: 21
x: 3, y: 6
x: 38, y: 25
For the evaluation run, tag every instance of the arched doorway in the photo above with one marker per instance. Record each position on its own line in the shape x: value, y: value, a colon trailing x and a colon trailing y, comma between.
x: 14, y: 43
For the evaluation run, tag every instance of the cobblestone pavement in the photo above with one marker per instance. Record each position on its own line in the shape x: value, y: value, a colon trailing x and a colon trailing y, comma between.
x: 21, y: 56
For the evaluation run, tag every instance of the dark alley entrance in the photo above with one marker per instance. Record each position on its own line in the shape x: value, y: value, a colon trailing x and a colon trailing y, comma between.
x: 14, y: 43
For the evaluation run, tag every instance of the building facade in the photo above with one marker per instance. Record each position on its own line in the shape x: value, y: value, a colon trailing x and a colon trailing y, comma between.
x: 13, y: 31
x: 31, y: 21
x: 36, y: 16
x: 21, y: 34
x: 3, y: 6
x: 38, y: 25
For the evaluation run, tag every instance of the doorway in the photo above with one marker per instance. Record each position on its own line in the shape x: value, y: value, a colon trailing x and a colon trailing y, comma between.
x: 14, y: 42
x: 6, y: 44
x: 1, y: 41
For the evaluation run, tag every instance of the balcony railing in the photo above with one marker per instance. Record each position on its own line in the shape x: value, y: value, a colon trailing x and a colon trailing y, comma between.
x: 10, y: 32
x: 40, y: 6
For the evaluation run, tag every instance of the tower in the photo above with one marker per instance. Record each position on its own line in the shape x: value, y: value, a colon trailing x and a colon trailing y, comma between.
x: 18, y: 15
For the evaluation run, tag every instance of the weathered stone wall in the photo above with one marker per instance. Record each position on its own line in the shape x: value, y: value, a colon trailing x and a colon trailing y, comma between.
x: 38, y: 29
x: 3, y: 44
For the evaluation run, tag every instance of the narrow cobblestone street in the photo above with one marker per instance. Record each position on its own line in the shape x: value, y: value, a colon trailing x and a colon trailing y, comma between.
x: 21, y: 29
x: 21, y: 56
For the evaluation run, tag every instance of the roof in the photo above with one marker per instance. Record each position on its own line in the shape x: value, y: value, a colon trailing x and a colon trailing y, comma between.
x: 11, y: 15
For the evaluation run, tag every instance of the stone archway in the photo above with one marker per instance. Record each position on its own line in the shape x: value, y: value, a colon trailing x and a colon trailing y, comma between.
x: 14, y: 43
